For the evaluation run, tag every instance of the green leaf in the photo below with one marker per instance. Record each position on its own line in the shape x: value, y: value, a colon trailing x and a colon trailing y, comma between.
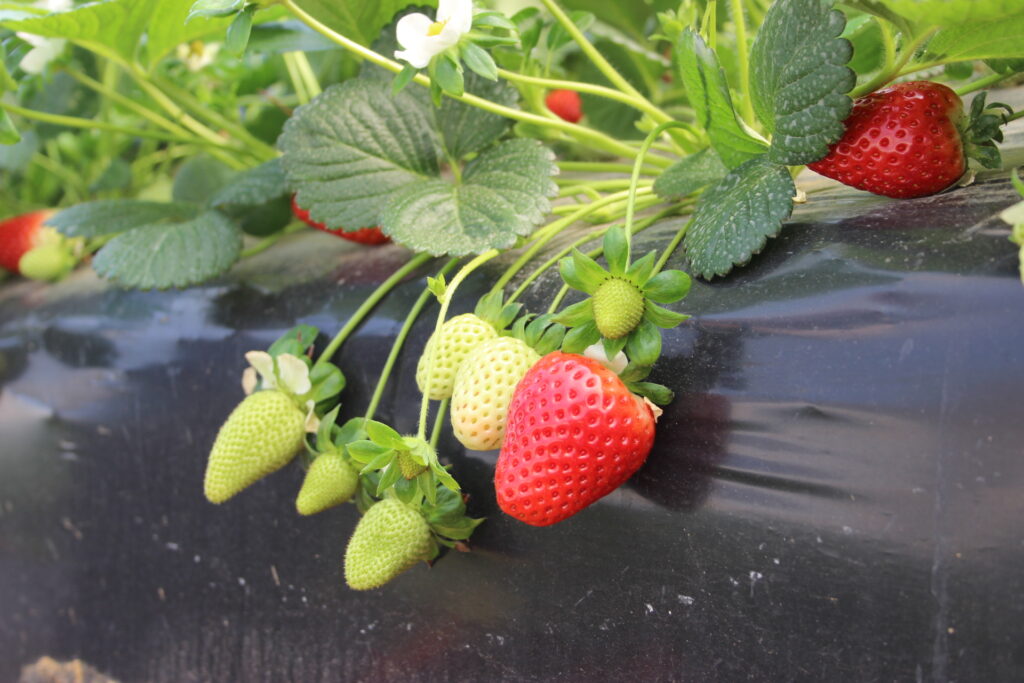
x: 579, y: 338
x: 616, y: 251
x: 168, y: 27
x: 998, y: 39
x: 171, y: 254
x: 689, y: 174
x: 708, y: 93
x: 662, y: 317
x: 392, y: 473
x: 353, y: 430
x: 7, y: 81
x: 327, y: 380
x: 323, y: 432
x: 9, y: 135
x: 466, y: 129
x: 1006, y: 66
x: 238, y: 32
x: 667, y: 287
x: 384, y: 435
x: 503, y: 194
x: 357, y: 19
x: 447, y: 74
x: 737, y: 216
x: 253, y: 187
x: 111, y: 216
x: 865, y: 34
x: 612, y: 347
x: 365, y: 452
x: 199, y: 179
x: 112, y: 28
x: 296, y: 341
x: 799, y: 79
x: 350, y: 148
x: 953, y: 12
x: 644, y: 344
x: 577, y: 314
x: 214, y: 8
x: 477, y: 59
x: 588, y: 271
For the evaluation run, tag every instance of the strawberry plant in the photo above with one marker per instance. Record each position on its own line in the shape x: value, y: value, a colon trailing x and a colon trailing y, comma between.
x: 180, y: 138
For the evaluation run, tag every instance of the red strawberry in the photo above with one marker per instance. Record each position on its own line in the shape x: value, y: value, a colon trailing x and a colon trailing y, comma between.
x: 909, y: 140
x: 21, y: 234
x: 370, y: 236
x: 565, y: 104
x: 575, y: 433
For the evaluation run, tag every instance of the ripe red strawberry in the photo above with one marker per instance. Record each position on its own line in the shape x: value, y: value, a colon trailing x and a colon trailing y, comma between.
x: 369, y: 236
x: 575, y: 433
x: 909, y: 140
x: 20, y: 234
x: 565, y: 104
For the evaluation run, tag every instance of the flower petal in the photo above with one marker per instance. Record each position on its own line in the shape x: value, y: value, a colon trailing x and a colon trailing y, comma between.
x: 294, y: 374
x: 416, y: 58
x: 458, y: 14
x: 616, y: 365
x: 264, y: 364
x: 249, y: 380
x: 412, y: 29
x: 312, y: 421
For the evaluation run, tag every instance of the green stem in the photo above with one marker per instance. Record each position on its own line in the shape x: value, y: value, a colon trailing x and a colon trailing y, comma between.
x: 369, y: 303
x: 421, y: 430
x: 396, y: 347
x: 435, y: 433
x: 307, y: 74
x: 982, y: 83
x: 635, y: 179
x: 575, y: 186
x: 90, y: 124
x: 896, y: 70
x: 597, y: 139
x: 602, y: 167
x: 271, y: 240
x: 296, y: 78
x: 670, y: 249
x: 743, y: 59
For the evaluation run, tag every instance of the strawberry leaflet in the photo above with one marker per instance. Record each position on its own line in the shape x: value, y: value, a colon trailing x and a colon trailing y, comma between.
x: 799, y: 79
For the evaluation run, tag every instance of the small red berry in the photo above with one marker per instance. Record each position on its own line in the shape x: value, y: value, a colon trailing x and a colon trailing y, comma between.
x: 370, y: 236
x: 904, y: 141
x: 565, y: 104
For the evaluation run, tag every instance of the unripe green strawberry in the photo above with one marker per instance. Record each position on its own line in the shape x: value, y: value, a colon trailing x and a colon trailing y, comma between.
x: 618, y: 307
x: 47, y: 263
x: 459, y: 336
x: 410, y: 468
x: 330, y: 481
x: 390, y: 538
x: 260, y: 436
x: 483, y: 389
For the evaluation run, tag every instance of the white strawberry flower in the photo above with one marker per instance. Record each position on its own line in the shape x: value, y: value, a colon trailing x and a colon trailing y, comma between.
x: 44, y: 50
x: 286, y: 373
x: 423, y: 39
x: 197, y: 54
x: 616, y: 365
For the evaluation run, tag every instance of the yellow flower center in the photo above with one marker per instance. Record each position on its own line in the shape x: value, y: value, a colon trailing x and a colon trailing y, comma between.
x: 436, y: 28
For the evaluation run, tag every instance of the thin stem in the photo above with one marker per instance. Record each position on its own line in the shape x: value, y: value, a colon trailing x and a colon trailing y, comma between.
x: 90, y: 124
x: 982, y: 83
x: 369, y: 303
x: 307, y: 74
x: 742, y: 58
x: 421, y: 431
x: 296, y: 78
x: 603, y: 167
x: 670, y: 249
x: 271, y: 240
x: 396, y: 347
x: 896, y: 70
x: 571, y: 187
x: 435, y: 433
x: 635, y: 179
x: 595, y: 138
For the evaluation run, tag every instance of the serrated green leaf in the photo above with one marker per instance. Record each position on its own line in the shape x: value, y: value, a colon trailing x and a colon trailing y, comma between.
x: 111, y: 216
x: 708, y: 93
x: 667, y: 287
x: 953, y: 12
x: 349, y: 149
x: 997, y: 39
x: 503, y: 194
x: 359, y: 20
x: 199, y: 179
x: 736, y: 217
x: 579, y: 338
x: 253, y: 187
x: 466, y: 129
x: 9, y: 134
x: 171, y: 254
x: 616, y: 251
x: 110, y: 28
x: 799, y: 79
x: 690, y: 174
x: 643, y: 345
x: 577, y: 314
x: 214, y: 8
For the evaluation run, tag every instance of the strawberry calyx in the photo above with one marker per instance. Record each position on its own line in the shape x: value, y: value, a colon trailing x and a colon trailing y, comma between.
x: 491, y: 308
x: 982, y: 129
x: 541, y: 333
x: 622, y: 311
x: 408, y: 463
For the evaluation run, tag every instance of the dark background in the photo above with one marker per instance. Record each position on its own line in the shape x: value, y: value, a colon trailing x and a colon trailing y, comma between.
x: 835, y: 494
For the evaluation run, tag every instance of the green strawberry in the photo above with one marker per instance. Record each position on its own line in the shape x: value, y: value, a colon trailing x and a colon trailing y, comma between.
x: 260, y: 436
x: 330, y: 481
x: 483, y: 389
x: 390, y: 538
x: 618, y: 307
x: 459, y: 336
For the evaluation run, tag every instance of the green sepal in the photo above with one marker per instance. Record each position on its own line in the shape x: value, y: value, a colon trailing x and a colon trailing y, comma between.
x: 662, y: 317
x: 567, y: 269
x: 667, y: 287
x: 644, y: 344
x: 324, y: 442
x: 327, y: 381
x: 447, y: 74
x: 458, y: 531
x: 442, y: 475
x: 214, y: 8
x: 613, y: 346
x: 391, y: 474
x: 634, y: 372
x: 477, y: 59
x: 296, y: 341
x: 364, y: 499
x: 239, y: 30
x: 550, y: 340
x: 494, y: 20
x: 378, y: 463
x: 353, y: 430
x: 641, y: 269
x: 403, y: 78
x: 437, y: 286
x: 384, y: 435
x: 407, y: 490
x: 579, y: 338
x: 657, y: 394
x: 588, y: 272
x: 616, y: 251
x: 366, y: 452
x: 428, y: 486
x: 577, y: 314
x: 419, y: 450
